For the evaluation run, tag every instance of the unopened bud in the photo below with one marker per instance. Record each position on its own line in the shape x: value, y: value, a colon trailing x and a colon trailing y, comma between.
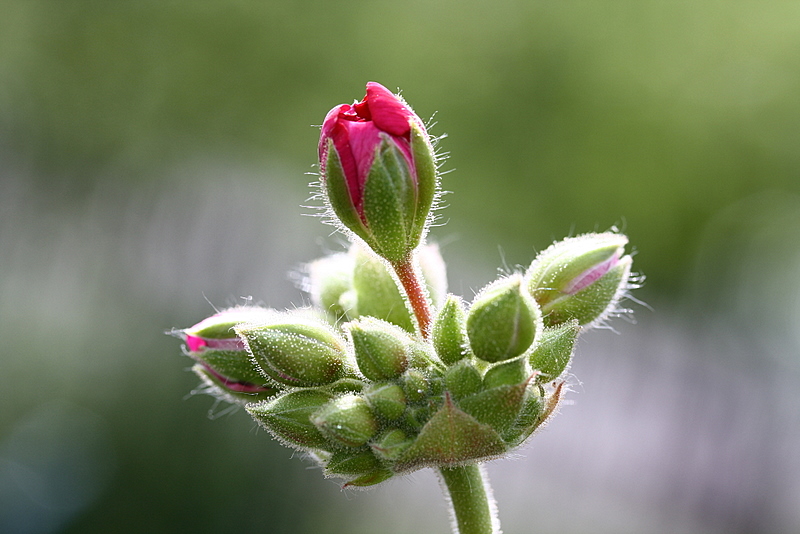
x: 387, y: 400
x: 381, y: 348
x: 296, y: 351
x: 347, y: 420
x: 449, y: 336
x: 554, y: 351
x: 580, y: 278
x: 503, y: 321
x: 287, y: 417
x: 222, y: 359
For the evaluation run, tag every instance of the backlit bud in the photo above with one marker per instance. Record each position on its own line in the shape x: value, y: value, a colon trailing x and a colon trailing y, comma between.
x: 580, y: 278
x: 449, y: 336
x: 296, y: 351
x: 381, y: 348
x: 287, y: 417
x: 379, y: 171
x: 222, y: 360
x: 503, y: 321
x: 387, y: 400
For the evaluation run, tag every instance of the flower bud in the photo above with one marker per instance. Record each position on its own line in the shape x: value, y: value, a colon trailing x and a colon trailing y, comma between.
x: 554, y: 352
x: 463, y: 379
x: 503, y: 321
x: 349, y: 462
x: 387, y: 400
x: 415, y: 385
x: 327, y: 280
x: 296, y: 351
x: 379, y: 171
x: 507, y: 373
x: 449, y: 337
x: 381, y: 348
x: 287, y: 417
x: 347, y: 420
x: 376, y: 292
x: 580, y: 278
x: 222, y: 360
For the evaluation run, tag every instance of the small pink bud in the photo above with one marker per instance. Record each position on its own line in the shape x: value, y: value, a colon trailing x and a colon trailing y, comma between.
x: 379, y: 171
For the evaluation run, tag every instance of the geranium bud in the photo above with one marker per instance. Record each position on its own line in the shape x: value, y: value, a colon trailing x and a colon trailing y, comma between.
x: 503, y: 321
x: 347, y: 420
x: 507, y: 373
x: 415, y: 385
x: 349, y: 462
x: 554, y: 352
x: 580, y: 278
x: 391, y: 444
x: 381, y: 348
x: 287, y: 417
x: 463, y: 379
x: 222, y: 359
x: 296, y: 351
x: 378, y: 171
x: 449, y: 336
x: 387, y: 400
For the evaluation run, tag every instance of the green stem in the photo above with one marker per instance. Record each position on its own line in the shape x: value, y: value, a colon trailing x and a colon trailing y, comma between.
x: 471, y: 501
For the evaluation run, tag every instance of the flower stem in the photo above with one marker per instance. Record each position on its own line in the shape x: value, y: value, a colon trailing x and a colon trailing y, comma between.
x: 472, y: 505
x: 414, y: 287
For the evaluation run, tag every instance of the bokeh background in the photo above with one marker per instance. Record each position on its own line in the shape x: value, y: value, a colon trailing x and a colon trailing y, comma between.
x: 153, y: 161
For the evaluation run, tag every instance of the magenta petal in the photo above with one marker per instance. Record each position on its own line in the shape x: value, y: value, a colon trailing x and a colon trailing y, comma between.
x: 364, y: 139
x: 331, y: 120
x: 388, y: 112
x: 591, y: 275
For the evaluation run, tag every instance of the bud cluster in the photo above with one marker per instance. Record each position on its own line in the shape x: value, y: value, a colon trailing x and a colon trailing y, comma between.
x: 387, y: 373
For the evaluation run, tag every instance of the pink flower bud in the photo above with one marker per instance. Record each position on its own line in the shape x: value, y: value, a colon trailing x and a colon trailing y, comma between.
x: 379, y: 171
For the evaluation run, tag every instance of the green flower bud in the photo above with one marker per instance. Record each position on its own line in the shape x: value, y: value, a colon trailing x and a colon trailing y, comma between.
x: 415, y: 385
x: 508, y: 373
x: 287, y: 417
x: 391, y: 444
x: 554, y: 352
x: 297, y: 351
x: 372, y: 478
x: 381, y: 348
x: 347, y: 420
x: 222, y: 360
x: 327, y: 282
x: 449, y: 337
x: 387, y: 400
x: 349, y: 462
x: 462, y: 379
x: 580, y: 278
x: 376, y: 291
x: 503, y: 321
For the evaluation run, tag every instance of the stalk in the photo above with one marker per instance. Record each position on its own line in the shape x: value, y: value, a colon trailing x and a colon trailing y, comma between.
x: 472, y: 507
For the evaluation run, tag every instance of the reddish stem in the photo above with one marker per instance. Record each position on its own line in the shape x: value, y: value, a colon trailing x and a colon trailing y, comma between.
x: 417, y: 295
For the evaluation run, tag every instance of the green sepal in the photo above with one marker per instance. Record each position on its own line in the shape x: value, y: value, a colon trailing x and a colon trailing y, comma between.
x: 296, y: 354
x: 338, y: 194
x: 463, y: 379
x: 381, y: 349
x: 287, y: 417
x: 554, y: 352
x: 329, y: 279
x: 388, y: 401
x: 449, y: 336
x: 347, y: 420
x: 529, y: 417
x: 498, y: 407
x: 503, y: 321
x: 235, y: 365
x: 389, y: 203
x: 427, y: 178
x: 451, y: 437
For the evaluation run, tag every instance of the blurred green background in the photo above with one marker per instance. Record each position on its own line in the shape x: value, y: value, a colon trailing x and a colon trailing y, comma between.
x: 153, y: 160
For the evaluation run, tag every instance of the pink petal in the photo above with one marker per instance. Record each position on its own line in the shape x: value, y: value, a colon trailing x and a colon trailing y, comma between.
x: 388, y: 112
